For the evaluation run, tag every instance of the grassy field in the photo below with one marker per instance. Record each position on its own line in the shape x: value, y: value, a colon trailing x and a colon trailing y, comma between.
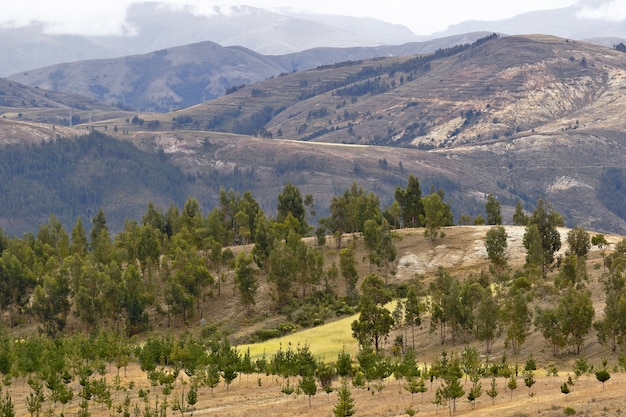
x: 325, y: 341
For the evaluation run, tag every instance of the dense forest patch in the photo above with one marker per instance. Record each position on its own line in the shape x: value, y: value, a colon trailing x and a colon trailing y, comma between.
x: 72, y: 177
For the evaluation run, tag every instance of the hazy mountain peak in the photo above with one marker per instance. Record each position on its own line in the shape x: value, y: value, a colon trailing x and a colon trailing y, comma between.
x: 583, y: 20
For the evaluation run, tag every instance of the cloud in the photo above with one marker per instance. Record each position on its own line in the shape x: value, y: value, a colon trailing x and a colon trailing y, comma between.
x: 612, y: 10
x: 68, y: 16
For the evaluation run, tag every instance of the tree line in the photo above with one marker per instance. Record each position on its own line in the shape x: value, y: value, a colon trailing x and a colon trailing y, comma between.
x: 171, y: 264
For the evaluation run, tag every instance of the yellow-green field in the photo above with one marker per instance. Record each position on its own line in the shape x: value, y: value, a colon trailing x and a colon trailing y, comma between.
x: 324, y: 341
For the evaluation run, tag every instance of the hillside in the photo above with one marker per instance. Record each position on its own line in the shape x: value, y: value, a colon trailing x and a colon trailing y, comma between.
x: 155, y: 25
x: 519, y: 117
x: 461, y: 252
x: 501, y: 88
x: 20, y: 102
x: 181, y: 76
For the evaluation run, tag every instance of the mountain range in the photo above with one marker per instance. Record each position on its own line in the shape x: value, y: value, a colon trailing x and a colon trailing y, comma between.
x: 182, y: 76
x: 521, y: 117
x: 152, y: 26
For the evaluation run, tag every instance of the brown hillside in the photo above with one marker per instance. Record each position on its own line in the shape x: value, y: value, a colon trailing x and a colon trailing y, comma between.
x: 521, y: 117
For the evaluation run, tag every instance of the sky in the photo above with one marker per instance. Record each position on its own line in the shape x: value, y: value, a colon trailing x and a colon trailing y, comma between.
x: 106, y: 17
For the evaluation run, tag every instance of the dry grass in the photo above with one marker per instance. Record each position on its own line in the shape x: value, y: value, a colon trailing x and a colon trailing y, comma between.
x: 416, y: 255
x: 246, y: 397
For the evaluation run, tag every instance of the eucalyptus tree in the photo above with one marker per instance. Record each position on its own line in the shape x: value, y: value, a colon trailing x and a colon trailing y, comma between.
x: 436, y: 215
x: 246, y: 282
x: 541, y: 239
x: 375, y: 321
x: 519, y: 217
x: 575, y: 311
x: 600, y: 241
x: 547, y: 321
x: 291, y: 201
x: 487, y: 319
x: 51, y: 303
x: 413, y: 309
x: 100, y: 239
x: 347, y: 268
x: 517, y: 319
x: 492, y: 208
x: 451, y: 305
x: 189, y: 276
x: 579, y: 241
x: 17, y: 279
x: 496, y: 246
x: 410, y: 201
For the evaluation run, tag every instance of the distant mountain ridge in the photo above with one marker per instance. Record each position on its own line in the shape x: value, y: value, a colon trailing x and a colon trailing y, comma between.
x: 154, y: 26
x: 157, y: 26
x: 182, y: 76
x: 521, y: 117
x: 566, y: 22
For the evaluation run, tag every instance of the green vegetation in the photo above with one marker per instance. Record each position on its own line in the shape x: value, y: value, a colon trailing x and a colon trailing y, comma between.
x: 70, y: 177
x: 164, y: 272
x: 613, y: 191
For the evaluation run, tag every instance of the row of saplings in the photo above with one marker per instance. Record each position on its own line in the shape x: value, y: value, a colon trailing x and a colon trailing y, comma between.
x: 84, y: 375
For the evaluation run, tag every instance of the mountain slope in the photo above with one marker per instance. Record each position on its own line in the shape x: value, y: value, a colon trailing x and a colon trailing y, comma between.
x: 519, y: 117
x: 540, y: 116
x: 154, y: 26
x: 182, y: 76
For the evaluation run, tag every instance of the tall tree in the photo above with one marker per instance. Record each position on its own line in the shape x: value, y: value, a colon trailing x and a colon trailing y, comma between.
x: 435, y: 216
x: 487, y: 319
x: 572, y: 272
x: 517, y: 318
x: 191, y: 216
x: 541, y: 230
x: 337, y: 223
x: 386, y: 250
x: 611, y: 329
x: 347, y: 267
x: 89, y: 298
x: 290, y: 201
x: 17, y: 280
x: 371, y: 238
x: 440, y: 290
x: 154, y: 217
x: 410, y: 201
x: 492, y: 208
x: 519, y: 217
x: 101, y: 244
x: 79, y: 245
x: 246, y: 282
x: 51, y: 303
x: 600, y: 241
x: 579, y: 241
x: 413, y: 309
x: 496, y: 245
x: 134, y: 302
x: 547, y: 321
x: 575, y: 312
x: 375, y: 320
x: 264, y: 242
